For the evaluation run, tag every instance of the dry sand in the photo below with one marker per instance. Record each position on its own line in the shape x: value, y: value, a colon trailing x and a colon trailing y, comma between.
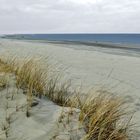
x: 44, y: 122
x: 97, y: 67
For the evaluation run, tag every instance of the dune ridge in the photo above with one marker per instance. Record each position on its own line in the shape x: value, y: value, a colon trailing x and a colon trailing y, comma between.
x: 98, y: 115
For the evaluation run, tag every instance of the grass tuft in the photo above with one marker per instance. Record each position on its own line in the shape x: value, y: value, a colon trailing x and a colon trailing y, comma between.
x: 102, y: 117
x: 58, y: 93
x: 5, y: 68
x: 30, y: 76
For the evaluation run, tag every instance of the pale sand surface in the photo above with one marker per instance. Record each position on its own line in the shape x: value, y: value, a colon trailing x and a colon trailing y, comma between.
x: 43, y: 123
x: 119, y: 74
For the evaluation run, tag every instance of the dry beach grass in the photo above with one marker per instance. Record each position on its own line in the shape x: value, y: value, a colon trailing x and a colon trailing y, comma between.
x: 101, y: 113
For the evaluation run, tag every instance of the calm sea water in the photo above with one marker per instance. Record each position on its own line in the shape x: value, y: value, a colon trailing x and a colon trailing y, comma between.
x: 114, y: 38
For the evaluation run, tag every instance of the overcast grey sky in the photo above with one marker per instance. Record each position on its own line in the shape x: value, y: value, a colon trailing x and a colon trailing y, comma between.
x: 69, y: 16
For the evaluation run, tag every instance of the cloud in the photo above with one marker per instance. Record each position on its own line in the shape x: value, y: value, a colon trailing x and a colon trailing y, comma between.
x: 68, y: 16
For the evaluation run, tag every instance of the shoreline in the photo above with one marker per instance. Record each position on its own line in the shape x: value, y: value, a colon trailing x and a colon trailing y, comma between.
x: 122, y: 49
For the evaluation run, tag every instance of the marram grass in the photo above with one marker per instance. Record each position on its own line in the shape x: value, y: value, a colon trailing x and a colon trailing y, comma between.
x: 101, y: 117
x: 101, y: 114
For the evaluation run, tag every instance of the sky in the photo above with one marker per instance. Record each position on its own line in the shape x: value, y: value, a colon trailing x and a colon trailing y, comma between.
x: 69, y: 16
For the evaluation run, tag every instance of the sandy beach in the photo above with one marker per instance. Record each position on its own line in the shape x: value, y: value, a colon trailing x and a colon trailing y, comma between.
x: 88, y: 67
x: 115, y: 70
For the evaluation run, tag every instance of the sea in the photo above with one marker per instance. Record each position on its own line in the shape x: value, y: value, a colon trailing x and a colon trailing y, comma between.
x: 109, y: 38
